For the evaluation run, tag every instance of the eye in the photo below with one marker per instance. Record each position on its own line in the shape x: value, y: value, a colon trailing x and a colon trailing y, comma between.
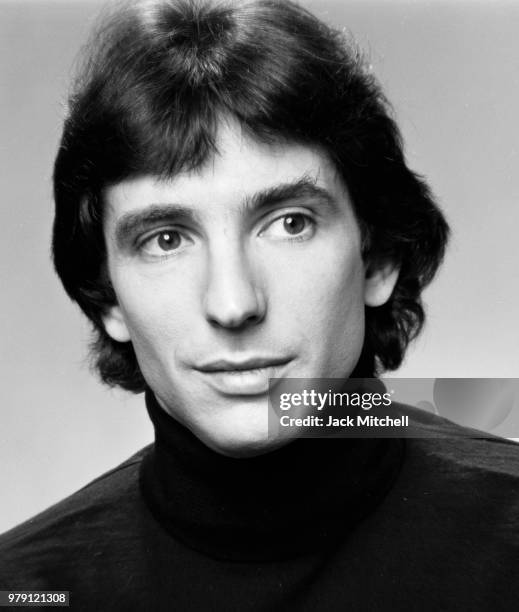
x: 161, y: 243
x: 296, y: 226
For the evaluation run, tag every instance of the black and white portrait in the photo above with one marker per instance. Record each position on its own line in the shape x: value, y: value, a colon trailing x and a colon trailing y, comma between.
x: 201, y: 197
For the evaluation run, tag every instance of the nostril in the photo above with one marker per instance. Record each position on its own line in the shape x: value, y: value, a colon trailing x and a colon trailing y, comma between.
x: 236, y: 321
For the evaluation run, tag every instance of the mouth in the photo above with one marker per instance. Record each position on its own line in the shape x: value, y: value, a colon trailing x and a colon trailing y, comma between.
x: 247, y: 377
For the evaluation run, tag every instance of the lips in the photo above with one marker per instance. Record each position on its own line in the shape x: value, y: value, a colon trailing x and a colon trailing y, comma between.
x: 243, y: 377
x: 252, y: 363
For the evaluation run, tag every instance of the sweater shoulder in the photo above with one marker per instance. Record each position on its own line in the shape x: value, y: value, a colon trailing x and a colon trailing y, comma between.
x: 462, y: 447
x: 74, y: 524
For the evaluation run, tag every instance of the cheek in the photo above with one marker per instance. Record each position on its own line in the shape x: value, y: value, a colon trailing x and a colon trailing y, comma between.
x: 156, y: 311
x: 322, y: 291
x: 323, y: 311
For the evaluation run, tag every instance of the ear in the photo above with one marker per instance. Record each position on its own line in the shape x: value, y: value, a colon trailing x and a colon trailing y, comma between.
x: 379, y: 283
x: 115, y: 325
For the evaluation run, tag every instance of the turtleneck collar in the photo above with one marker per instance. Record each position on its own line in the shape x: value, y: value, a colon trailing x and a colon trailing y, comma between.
x: 296, y: 500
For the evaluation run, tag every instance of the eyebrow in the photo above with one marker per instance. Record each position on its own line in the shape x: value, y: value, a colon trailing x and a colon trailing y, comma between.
x: 305, y: 187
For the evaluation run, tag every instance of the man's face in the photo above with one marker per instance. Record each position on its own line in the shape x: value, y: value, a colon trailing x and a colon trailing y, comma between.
x: 245, y: 269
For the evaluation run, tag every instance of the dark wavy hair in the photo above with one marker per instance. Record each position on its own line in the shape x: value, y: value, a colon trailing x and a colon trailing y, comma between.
x: 159, y: 76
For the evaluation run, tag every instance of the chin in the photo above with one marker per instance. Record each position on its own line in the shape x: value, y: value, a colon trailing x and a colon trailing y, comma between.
x: 241, y: 443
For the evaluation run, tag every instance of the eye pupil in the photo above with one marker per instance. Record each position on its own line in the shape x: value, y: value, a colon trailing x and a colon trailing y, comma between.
x: 294, y: 224
x: 168, y: 240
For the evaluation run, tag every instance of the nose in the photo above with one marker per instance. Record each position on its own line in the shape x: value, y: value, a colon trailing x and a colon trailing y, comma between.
x: 234, y: 298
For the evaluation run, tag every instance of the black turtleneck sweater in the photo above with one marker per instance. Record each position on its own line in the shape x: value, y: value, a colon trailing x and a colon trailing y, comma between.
x: 319, y: 525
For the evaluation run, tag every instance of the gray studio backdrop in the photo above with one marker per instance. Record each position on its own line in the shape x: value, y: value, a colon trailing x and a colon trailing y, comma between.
x: 451, y: 70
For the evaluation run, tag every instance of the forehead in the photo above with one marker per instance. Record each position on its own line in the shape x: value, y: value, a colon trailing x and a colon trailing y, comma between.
x: 241, y: 168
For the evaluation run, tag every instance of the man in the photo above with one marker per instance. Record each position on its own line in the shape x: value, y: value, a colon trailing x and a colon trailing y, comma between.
x: 233, y: 205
